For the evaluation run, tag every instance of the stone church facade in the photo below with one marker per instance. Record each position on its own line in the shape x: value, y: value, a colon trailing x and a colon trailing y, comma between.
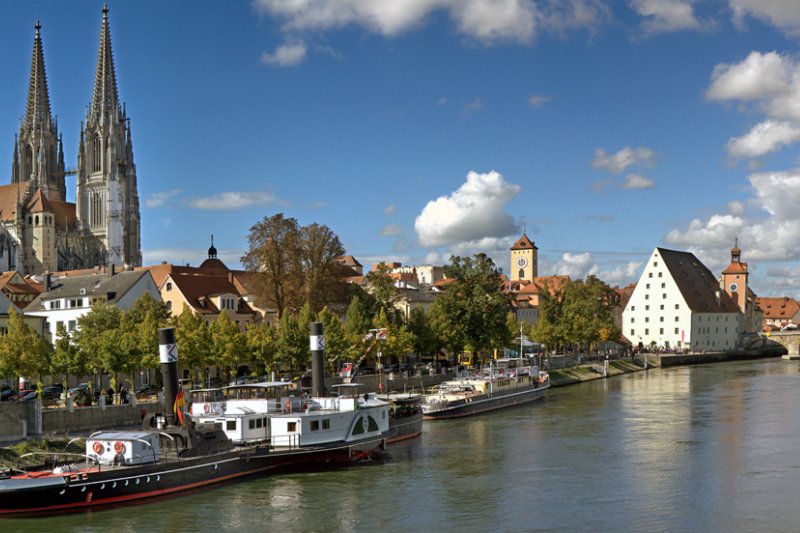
x: 43, y: 231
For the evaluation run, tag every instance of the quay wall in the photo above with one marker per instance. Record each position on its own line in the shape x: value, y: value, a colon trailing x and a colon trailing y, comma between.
x: 397, y: 382
x: 63, y: 421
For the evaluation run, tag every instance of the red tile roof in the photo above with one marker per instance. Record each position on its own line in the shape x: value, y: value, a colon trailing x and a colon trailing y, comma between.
x: 524, y: 243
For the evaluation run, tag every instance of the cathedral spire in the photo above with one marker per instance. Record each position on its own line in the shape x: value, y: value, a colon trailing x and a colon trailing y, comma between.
x: 104, y: 98
x: 37, y: 110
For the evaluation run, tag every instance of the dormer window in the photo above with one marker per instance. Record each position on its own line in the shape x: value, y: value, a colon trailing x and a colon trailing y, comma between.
x: 169, y: 286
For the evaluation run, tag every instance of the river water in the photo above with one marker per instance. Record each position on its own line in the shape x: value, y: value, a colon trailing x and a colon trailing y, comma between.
x: 705, y: 448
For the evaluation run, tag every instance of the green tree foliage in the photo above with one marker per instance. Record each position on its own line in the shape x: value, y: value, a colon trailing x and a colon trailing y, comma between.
x: 295, y: 264
x: 65, y: 360
x: 336, y: 342
x: 99, y: 340
x: 262, y: 343
x: 293, y: 346
x: 471, y: 313
x: 579, y: 315
x: 399, y: 341
x: 23, y: 352
x: 193, y: 337
x: 357, y: 324
x: 424, y: 337
x: 228, y: 344
x: 140, y: 325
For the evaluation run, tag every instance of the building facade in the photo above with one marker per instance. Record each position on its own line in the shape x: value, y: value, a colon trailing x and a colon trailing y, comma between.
x: 42, y: 230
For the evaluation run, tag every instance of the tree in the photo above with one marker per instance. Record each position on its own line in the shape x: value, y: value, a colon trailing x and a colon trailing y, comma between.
x: 99, y: 340
x: 140, y: 325
x: 472, y: 307
x: 66, y: 359
x: 321, y: 272
x: 336, y: 342
x: 424, y: 337
x: 228, y: 344
x: 293, y: 345
x: 23, y: 352
x: 274, y: 252
x: 382, y: 288
x: 399, y: 340
x: 194, y: 342
x: 262, y: 342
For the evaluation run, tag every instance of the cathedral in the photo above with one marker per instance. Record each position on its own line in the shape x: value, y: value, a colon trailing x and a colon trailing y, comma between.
x: 41, y: 230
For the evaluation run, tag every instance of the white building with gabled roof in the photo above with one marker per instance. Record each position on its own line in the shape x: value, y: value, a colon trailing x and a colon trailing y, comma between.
x: 678, y: 303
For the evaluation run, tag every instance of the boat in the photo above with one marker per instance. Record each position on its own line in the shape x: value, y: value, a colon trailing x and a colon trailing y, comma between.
x: 507, y: 382
x: 179, y: 451
x: 405, y: 416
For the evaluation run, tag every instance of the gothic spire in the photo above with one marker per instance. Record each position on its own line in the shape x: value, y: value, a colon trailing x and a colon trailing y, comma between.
x: 104, y: 98
x: 37, y: 109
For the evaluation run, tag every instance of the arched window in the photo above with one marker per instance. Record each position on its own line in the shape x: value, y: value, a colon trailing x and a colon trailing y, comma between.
x: 37, y: 220
x: 169, y: 286
x: 169, y: 305
x: 97, y: 151
x: 522, y: 273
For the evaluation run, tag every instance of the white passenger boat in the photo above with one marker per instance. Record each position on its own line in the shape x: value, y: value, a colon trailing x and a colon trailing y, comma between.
x: 507, y: 382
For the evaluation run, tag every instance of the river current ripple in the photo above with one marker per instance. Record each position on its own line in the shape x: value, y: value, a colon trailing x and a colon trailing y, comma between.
x: 705, y: 448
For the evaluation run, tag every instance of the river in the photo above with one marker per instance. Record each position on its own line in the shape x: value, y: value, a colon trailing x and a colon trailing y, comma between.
x: 705, y: 448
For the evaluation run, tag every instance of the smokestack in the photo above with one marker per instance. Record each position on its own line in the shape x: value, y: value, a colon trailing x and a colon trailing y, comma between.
x: 317, y: 359
x: 168, y: 354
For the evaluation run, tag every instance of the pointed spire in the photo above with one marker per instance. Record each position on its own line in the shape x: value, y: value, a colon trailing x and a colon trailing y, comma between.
x: 15, y: 164
x: 60, y: 153
x: 37, y: 109
x: 104, y: 98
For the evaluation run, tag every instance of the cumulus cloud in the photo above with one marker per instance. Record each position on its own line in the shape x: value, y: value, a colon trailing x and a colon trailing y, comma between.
x: 784, y: 14
x: 619, y: 162
x: 666, y: 15
x: 638, y: 181
x: 736, y: 207
x: 769, y: 234
x: 286, y: 55
x: 767, y: 83
x: 474, y: 211
x: 389, y: 230
x: 157, y: 199
x: 538, y: 100
x: 226, y: 201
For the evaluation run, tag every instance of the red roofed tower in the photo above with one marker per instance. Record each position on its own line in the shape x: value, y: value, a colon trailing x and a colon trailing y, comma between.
x: 524, y: 260
x: 734, y: 278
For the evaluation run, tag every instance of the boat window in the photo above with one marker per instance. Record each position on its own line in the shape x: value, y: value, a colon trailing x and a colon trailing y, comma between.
x: 231, y: 425
x: 315, y: 425
x: 326, y: 424
x: 252, y: 424
x: 260, y: 423
x: 291, y: 427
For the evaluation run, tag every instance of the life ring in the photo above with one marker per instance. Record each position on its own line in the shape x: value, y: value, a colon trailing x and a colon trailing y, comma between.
x: 207, y: 408
x: 119, y: 447
x: 98, y: 448
x: 287, y: 405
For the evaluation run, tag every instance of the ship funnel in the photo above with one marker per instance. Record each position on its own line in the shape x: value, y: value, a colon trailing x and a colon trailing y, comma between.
x: 317, y: 359
x: 168, y: 354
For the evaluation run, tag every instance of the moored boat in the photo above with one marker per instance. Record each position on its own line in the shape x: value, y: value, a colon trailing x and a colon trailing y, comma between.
x: 187, y: 452
x: 508, y: 382
x: 405, y: 416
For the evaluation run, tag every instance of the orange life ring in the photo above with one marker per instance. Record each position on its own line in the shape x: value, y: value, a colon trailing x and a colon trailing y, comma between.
x: 119, y: 447
x: 98, y: 448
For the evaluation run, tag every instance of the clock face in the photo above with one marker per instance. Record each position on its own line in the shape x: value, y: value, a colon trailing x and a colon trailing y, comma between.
x: 522, y: 262
x: 733, y: 287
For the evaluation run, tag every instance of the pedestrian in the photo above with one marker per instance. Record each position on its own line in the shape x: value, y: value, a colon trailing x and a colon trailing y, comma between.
x: 110, y: 393
x: 123, y: 394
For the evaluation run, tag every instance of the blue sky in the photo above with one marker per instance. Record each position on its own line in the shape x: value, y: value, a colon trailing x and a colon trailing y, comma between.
x: 416, y: 129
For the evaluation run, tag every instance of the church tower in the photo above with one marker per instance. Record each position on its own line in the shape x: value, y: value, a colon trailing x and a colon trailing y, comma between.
x: 734, y: 278
x: 107, y: 195
x: 524, y: 259
x: 38, y: 162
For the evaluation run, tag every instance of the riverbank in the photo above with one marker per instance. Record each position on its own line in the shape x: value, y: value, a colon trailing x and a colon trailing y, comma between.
x: 591, y: 371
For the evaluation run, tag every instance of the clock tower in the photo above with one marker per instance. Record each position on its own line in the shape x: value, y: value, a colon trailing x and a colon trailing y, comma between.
x: 524, y: 260
x: 734, y: 278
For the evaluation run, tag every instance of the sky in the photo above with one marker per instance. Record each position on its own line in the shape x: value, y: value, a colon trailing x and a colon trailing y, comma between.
x: 419, y: 129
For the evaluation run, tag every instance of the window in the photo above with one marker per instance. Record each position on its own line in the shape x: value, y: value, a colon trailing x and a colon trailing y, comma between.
x: 646, y: 296
x: 647, y: 332
x: 55, y: 304
x: 676, y: 331
x: 647, y: 319
x: 663, y: 285
x: 664, y: 296
x: 661, y: 331
x: 633, y: 308
x: 326, y: 424
x: 632, y: 320
x: 169, y: 286
x: 252, y: 423
x: 260, y: 423
x: 677, y: 319
x: 661, y: 319
x: 662, y: 307
x: 655, y: 263
x: 96, y: 153
x: 633, y: 332
x: 230, y: 425
x: 59, y: 324
x: 72, y: 325
x: 647, y: 286
x: 291, y: 427
x: 677, y: 306
x: 169, y: 305
x: 315, y: 425
x: 659, y: 274
x: 650, y: 275
x: 646, y: 307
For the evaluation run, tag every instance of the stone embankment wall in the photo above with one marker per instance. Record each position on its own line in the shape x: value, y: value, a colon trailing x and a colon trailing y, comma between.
x: 592, y: 371
x: 399, y: 382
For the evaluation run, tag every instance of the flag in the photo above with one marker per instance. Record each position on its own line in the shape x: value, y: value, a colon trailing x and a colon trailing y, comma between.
x: 180, y: 405
x: 381, y: 335
x: 346, y: 370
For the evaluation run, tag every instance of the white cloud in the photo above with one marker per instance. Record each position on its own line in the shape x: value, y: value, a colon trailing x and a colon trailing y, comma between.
x: 736, y: 208
x: 474, y: 211
x: 389, y: 210
x: 485, y: 21
x: 389, y: 230
x: 666, y: 15
x: 157, y: 199
x: 576, y: 266
x: 638, y: 181
x: 475, y: 105
x: 286, y: 55
x: 538, y: 100
x: 769, y: 235
x: 225, y: 201
x: 784, y: 14
x: 766, y: 137
x: 622, y: 160
x: 770, y: 84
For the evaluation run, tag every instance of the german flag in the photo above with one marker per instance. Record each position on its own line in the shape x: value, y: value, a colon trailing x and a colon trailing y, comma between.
x: 180, y: 406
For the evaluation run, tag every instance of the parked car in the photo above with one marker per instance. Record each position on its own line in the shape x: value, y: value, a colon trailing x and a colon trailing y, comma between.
x: 22, y: 394
x: 6, y: 393
x: 71, y: 393
x: 53, y: 392
x: 29, y: 396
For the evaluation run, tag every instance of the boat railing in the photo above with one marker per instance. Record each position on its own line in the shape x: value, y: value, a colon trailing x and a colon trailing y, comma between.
x: 286, y: 441
x: 88, y: 458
